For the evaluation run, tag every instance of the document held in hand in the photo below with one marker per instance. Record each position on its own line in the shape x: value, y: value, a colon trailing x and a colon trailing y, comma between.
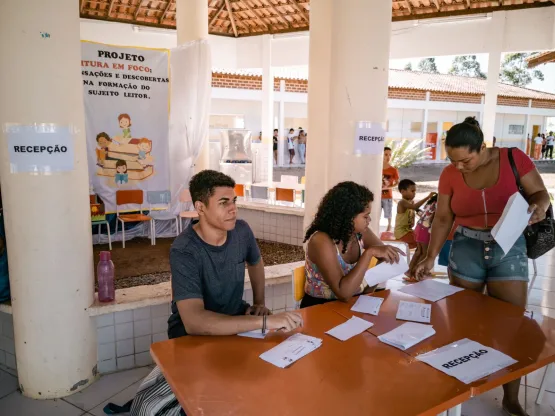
x: 512, y: 223
x: 467, y: 360
x: 407, y: 335
x: 385, y: 271
x: 349, y: 329
x: 416, y: 312
x: 292, y: 349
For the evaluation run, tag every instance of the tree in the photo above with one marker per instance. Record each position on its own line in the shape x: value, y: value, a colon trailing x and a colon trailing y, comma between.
x: 467, y: 65
x: 408, y: 67
x: 428, y: 65
x: 514, y: 70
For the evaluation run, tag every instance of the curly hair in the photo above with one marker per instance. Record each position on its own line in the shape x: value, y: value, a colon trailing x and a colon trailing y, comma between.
x: 202, y: 185
x: 337, y: 211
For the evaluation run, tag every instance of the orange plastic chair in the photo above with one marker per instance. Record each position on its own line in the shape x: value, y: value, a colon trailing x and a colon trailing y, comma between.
x: 132, y: 197
x: 185, y: 198
x: 285, y: 195
x: 239, y: 190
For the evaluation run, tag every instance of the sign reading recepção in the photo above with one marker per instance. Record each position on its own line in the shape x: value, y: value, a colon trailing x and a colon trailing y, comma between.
x: 40, y: 148
x: 369, y: 138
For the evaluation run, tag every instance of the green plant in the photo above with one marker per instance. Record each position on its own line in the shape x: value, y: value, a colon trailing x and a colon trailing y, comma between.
x: 406, y: 152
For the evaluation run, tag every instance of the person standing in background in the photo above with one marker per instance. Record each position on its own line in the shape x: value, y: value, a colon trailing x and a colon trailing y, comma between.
x: 291, y: 145
x: 302, y: 146
x: 494, y: 141
x: 390, y: 179
x: 544, y: 147
x: 550, y: 142
x: 538, y: 142
x: 275, y: 143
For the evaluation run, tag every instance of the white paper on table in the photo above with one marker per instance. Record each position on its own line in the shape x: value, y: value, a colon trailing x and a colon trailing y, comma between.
x: 292, y: 349
x: 367, y: 304
x: 467, y: 360
x: 416, y: 312
x: 407, y: 335
x: 257, y: 333
x: 430, y: 290
x: 512, y: 223
x: 349, y: 329
x: 385, y: 271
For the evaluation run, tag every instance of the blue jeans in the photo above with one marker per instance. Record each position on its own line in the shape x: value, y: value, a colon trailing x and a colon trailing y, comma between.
x: 302, y: 150
x: 481, y: 262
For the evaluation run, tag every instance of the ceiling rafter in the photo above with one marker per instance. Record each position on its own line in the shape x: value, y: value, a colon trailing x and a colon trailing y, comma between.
x: 138, y: 9
x: 165, y: 11
x: 230, y: 12
x: 301, y: 12
x: 217, y: 14
x: 436, y: 3
x: 111, y: 7
x: 276, y: 11
x: 82, y: 5
x: 257, y: 16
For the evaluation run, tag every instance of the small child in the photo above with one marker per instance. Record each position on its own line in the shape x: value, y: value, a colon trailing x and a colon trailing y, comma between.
x: 121, y: 176
x: 404, y: 222
x: 422, y: 234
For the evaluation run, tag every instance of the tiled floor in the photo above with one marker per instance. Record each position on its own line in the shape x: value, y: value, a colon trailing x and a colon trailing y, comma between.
x: 121, y: 387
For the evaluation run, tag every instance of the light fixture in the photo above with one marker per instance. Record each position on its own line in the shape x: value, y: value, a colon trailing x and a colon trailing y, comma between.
x: 453, y: 19
x: 158, y: 30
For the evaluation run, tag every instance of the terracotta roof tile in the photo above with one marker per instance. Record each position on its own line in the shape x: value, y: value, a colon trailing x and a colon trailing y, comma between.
x: 413, y: 80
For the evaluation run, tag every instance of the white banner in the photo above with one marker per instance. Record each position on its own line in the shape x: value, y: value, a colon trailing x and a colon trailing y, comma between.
x: 126, y: 94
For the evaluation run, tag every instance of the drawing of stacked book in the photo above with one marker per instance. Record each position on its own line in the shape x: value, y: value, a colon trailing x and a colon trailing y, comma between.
x: 126, y: 161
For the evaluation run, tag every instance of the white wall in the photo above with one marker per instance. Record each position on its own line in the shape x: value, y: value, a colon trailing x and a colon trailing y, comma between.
x: 501, y: 131
x: 525, y: 30
x: 399, y: 123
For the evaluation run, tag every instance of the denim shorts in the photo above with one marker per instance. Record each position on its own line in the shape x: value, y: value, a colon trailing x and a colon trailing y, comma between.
x: 480, y: 261
x: 387, y: 206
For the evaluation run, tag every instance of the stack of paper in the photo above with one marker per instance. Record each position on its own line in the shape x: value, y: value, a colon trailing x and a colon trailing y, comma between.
x: 292, y: 349
x: 512, y: 223
x: 385, y: 271
x: 407, y: 335
x: 412, y: 311
x: 257, y: 333
x: 430, y: 290
x: 467, y: 360
x: 367, y: 304
x: 349, y: 329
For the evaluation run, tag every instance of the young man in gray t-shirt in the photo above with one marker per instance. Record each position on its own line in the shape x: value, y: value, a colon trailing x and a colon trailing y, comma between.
x: 208, y: 268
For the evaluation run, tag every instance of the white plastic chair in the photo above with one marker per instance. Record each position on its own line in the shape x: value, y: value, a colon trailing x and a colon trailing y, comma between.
x: 185, y: 198
x: 161, y: 198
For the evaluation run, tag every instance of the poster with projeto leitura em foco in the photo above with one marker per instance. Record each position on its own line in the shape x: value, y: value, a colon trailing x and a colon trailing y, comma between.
x: 126, y: 96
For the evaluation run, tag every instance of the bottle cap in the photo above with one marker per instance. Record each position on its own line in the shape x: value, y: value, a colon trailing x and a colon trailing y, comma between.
x: 105, y: 256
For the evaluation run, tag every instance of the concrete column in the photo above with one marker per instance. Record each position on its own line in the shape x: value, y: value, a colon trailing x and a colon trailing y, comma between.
x: 48, y: 229
x: 282, y: 132
x: 495, y: 46
x: 192, y: 24
x: 425, y: 120
x: 268, y: 101
x: 526, y: 126
x: 348, y: 62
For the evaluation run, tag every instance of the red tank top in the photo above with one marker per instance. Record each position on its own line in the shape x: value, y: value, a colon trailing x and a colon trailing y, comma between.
x: 482, y: 208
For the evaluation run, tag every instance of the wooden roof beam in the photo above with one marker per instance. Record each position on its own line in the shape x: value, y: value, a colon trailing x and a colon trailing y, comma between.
x: 217, y: 14
x: 165, y: 11
x: 138, y: 9
x: 468, y: 4
x: 82, y: 6
x: 301, y: 11
x: 409, y: 6
x: 257, y: 16
x: 436, y: 3
x: 230, y: 12
x: 111, y: 7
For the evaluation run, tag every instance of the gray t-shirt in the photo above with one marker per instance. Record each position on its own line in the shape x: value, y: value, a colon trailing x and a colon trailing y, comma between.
x: 211, y: 273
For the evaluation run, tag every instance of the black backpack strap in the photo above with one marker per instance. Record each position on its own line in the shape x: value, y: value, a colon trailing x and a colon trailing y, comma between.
x: 515, y: 172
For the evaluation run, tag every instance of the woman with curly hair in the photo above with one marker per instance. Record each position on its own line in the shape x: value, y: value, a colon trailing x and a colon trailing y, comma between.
x: 340, y: 246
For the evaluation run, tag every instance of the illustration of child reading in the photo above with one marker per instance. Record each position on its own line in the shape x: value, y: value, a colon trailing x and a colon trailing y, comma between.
x: 121, y: 172
x: 125, y: 124
x: 145, y: 146
x: 102, y: 142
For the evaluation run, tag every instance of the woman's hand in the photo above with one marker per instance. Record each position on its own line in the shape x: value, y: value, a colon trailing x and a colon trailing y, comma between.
x: 537, y: 214
x: 423, y: 269
x: 389, y: 254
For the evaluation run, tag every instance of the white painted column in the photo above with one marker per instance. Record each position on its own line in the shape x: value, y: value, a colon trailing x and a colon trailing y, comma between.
x: 348, y: 62
x: 192, y: 24
x: 526, y: 126
x: 495, y: 46
x: 439, y: 139
x: 48, y: 228
x: 268, y: 101
x: 425, y: 120
x: 282, y: 132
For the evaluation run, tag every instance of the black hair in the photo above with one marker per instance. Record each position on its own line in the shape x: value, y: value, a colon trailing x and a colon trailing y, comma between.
x: 202, y: 185
x: 387, y: 148
x: 432, y: 200
x: 466, y: 134
x: 291, y: 129
x: 405, y: 184
x: 337, y: 211
x: 275, y: 129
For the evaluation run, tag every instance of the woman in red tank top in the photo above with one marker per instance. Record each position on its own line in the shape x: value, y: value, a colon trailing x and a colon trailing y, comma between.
x: 473, y: 192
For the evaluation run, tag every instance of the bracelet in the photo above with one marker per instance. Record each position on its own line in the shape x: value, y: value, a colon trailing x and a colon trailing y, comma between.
x: 263, y: 324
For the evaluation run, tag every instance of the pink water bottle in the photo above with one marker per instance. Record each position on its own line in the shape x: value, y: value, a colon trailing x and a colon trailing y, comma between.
x: 105, y: 276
